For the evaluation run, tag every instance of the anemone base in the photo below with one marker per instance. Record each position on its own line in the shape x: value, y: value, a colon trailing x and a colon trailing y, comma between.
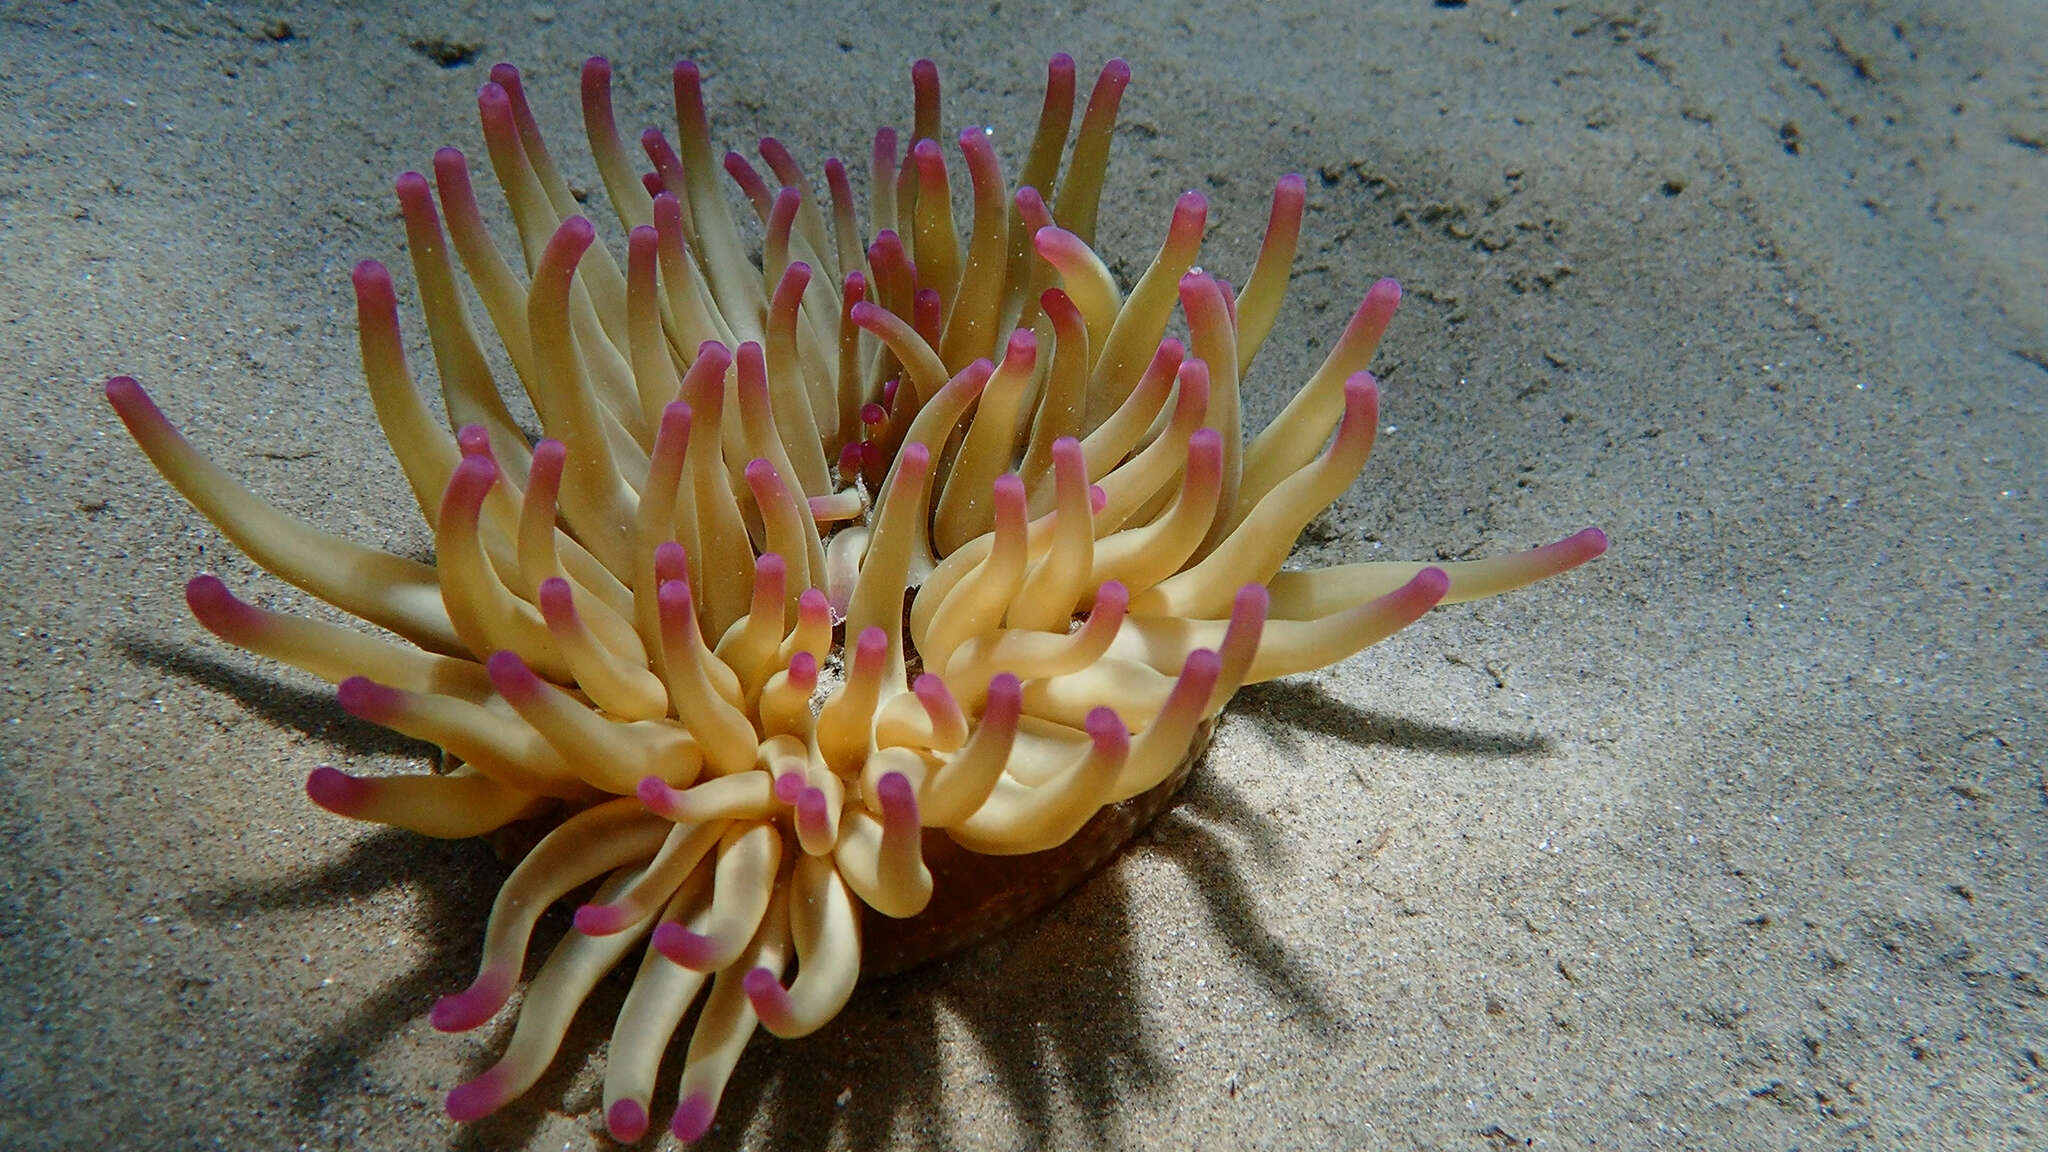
x: 975, y: 897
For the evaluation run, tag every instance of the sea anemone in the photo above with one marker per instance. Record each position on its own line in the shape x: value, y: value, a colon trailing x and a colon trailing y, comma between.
x: 837, y: 570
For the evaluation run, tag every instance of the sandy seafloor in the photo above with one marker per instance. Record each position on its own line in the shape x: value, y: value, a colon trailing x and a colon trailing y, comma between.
x: 1733, y: 839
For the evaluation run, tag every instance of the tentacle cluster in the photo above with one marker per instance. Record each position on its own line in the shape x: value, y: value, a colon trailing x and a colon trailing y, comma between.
x: 902, y: 531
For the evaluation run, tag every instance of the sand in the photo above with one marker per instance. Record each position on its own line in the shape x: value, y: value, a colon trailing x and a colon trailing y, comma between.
x: 1733, y: 839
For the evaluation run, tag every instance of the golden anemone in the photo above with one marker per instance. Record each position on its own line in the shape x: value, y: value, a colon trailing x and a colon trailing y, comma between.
x: 833, y: 570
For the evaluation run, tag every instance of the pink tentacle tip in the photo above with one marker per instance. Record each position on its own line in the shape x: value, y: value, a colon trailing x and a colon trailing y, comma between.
x: 572, y: 239
x: 510, y: 675
x: 474, y: 1005
x: 495, y: 104
x: 931, y: 691
x: 472, y: 440
x: 373, y: 283
x: 868, y: 650
x: 1031, y: 207
x: 471, y: 481
x: 1251, y: 604
x: 916, y: 459
x: 626, y: 1120
x: 1361, y: 405
x: 557, y: 599
x: 1107, y: 730
x: 689, y: 949
x: 603, y: 919
x: 1059, y: 246
x: 1425, y: 588
x: 770, y: 999
x: 1024, y: 346
x: 812, y: 816
x: 1587, y: 542
x: 899, y: 802
x: 1381, y: 300
x: 1201, y: 669
x: 659, y: 798
x: 478, y: 1098
x: 789, y: 787
x: 217, y: 609
x: 796, y: 276
x: 1005, y: 700
x: 365, y: 699
x: 123, y: 392
x: 412, y: 191
x: 761, y: 473
x: 1112, y: 599
x: 339, y: 792
x: 693, y: 1118
x: 550, y: 454
x: 1190, y: 214
x: 676, y: 417
x: 671, y: 563
x: 1009, y: 496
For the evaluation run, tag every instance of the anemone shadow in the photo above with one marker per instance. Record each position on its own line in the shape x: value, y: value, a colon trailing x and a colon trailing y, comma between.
x: 454, y: 880
x: 1287, y: 711
x: 280, y: 703
x: 1049, y: 1006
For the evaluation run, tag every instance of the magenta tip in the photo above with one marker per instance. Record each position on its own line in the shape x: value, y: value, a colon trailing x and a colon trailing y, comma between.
x: 474, y: 1005
x: 686, y: 948
x: 510, y: 675
x: 626, y: 1120
x: 760, y: 981
x: 655, y: 793
x: 693, y: 1118
x: 602, y: 919
x: 216, y: 607
x: 899, y: 801
x: 1107, y: 729
x: 789, y: 787
x: 871, y: 645
x: 810, y: 808
x: 1005, y: 703
x: 478, y: 1098
x: 1432, y: 582
x: 473, y: 440
x: 365, y: 699
x: 339, y: 792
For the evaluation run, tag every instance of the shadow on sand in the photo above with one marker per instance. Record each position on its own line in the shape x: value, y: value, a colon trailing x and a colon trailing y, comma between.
x: 874, y: 1073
